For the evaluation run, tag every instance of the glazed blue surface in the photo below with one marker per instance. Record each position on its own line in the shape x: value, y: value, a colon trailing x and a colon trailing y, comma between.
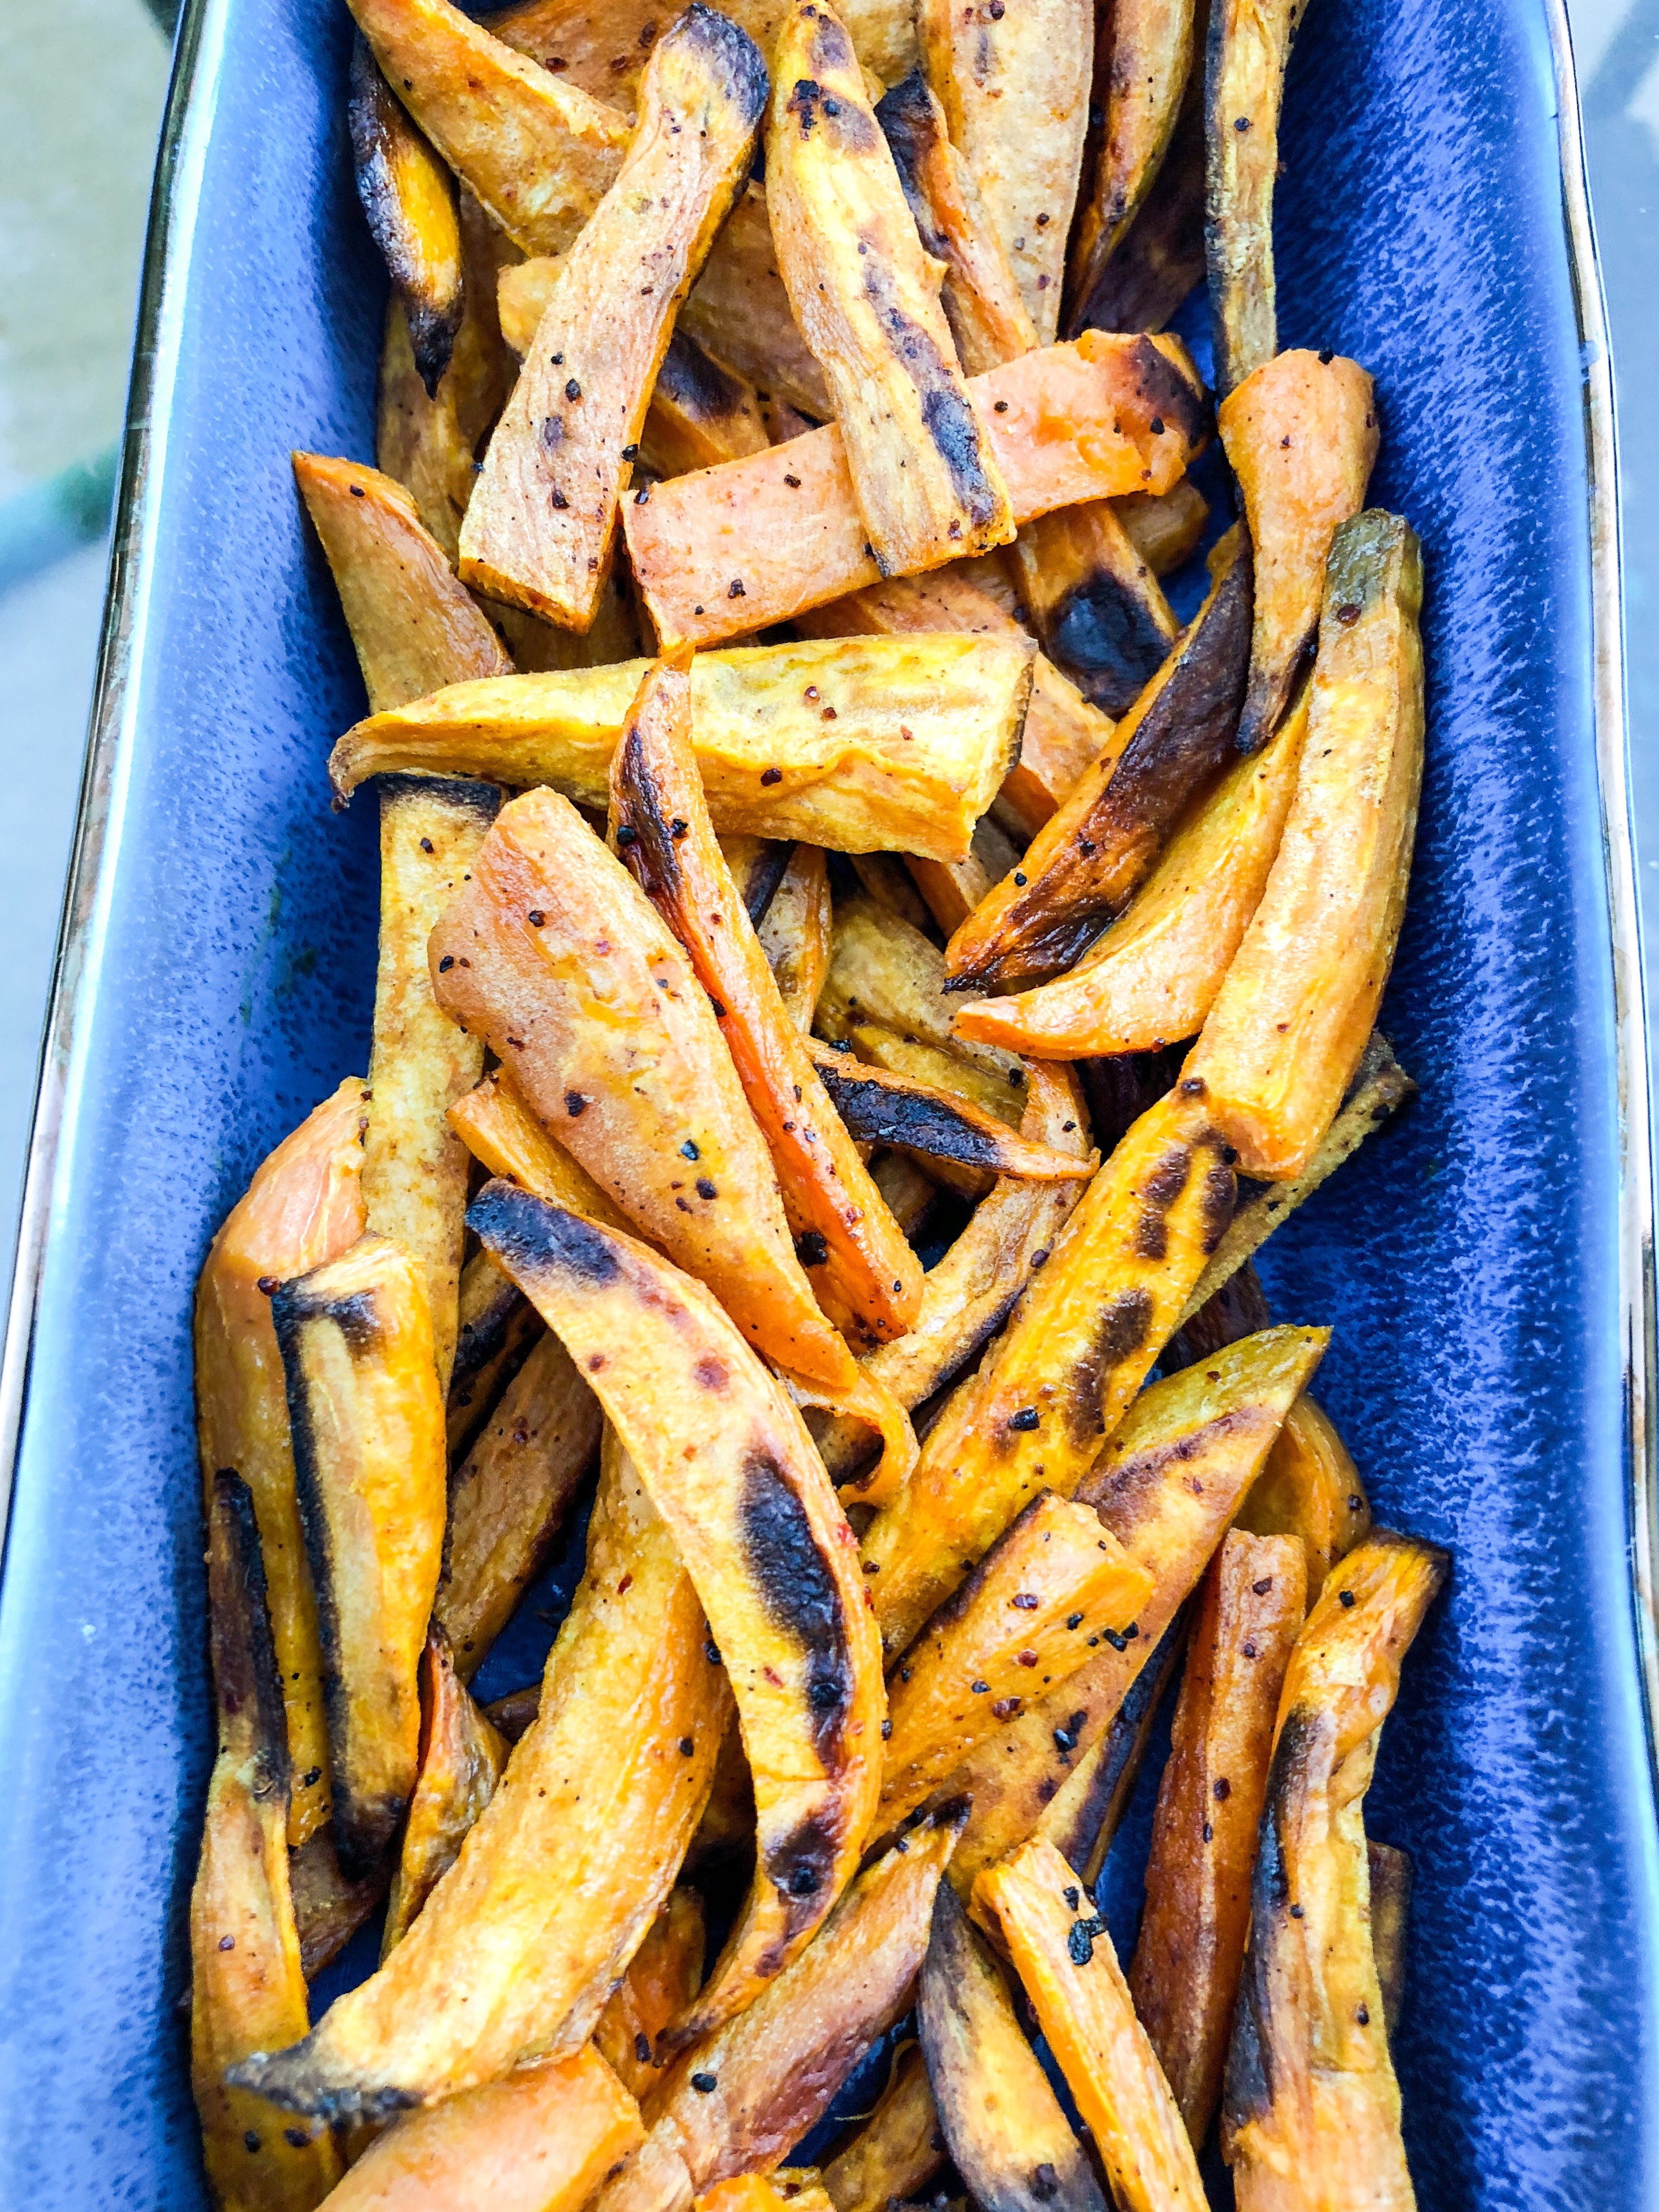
x: 1468, y: 1260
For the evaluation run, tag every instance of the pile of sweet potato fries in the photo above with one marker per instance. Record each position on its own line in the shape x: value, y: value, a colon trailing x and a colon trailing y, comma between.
x: 807, y: 835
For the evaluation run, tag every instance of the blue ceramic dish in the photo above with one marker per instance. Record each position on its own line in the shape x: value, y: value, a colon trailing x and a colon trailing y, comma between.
x: 1484, y: 1263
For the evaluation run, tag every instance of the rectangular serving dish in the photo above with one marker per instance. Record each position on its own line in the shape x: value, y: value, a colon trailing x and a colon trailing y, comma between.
x: 1486, y: 1263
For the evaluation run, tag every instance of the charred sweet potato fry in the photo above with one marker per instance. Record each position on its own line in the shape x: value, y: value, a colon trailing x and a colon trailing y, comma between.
x: 1015, y: 92
x: 409, y: 199
x: 1066, y: 1960
x: 304, y: 1206
x: 1094, y: 602
x: 355, y: 1338
x: 554, y: 955
x: 949, y: 1071
x: 1056, y: 1386
x: 1391, y: 1876
x: 794, y: 933
x: 1184, y: 1975
x: 899, y: 2148
x: 1089, y: 859
x: 247, y: 1992
x: 662, y: 1979
x: 1154, y: 976
x: 728, y: 1461
x: 1312, y: 2109
x: 1310, y: 1489
x: 1244, y: 83
x: 1145, y: 60
x: 926, y: 486
x: 1063, y: 424
x: 1009, y: 2140
x: 503, y: 1135
x: 539, y: 154
x: 540, y: 530
x: 1022, y: 1618
x: 1286, y: 1035
x: 1161, y: 257
x: 461, y: 1761
x: 565, y: 1868
x: 1302, y: 437
x: 887, y: 745
x: 497, y: 1328
x: 879, y: 1108
x: 740, y: 309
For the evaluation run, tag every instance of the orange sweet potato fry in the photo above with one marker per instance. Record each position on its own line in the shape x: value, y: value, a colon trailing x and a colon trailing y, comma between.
x: 461, y: 1760
x: 661, y: 1980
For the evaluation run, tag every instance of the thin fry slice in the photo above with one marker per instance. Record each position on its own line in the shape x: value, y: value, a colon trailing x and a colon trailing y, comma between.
x: 662, y: 1979
x: 882, y: 1109
x: 794, y: 933
x: 503, y: 1135
x: 1244, y: 83
x: 1146, y: 59
x: 1310, y: 1489
x: 328, y: 1910
x: 408, y: 198
x: 898, y: 2148
x: 1162, y: 258
x: 461, y: 1760
x: 497, y: 1328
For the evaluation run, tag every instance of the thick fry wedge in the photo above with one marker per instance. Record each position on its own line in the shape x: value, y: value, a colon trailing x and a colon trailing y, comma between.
x: 1095, y: 602
x: 1184, y: 1975
x: 500, y: 1132
x: 539, y: 154
x: 662, y: 1979
x: 1065, y: 1959
x: 1053, y: 1392
x: 1063, y: 424
x: 304, y: 1207
x: 1285, y: 1036
x: 890, y: 744
x: 730, y: 1464
x: 1310, y: 1489
x: 899, y: 2148
x: 497, y: 1328
x: 1154, y: 976
x: 740, y: 310
x: 1021, y: 1621
x: 408, y: 198
x: 1089, y: 859
x: 541, y: 2139
x: 566, y: 1868
x: 879, y: 1108
x: 1302, y: 437
x: 794, y: 933
x: 1009, y: 2140
x: 1311, y: 2111
x: 369, y: 1461
x: 926, y: 486
x: 540, y: 530
x: 554, y: 955
x: 863, y: 1272
x: 1161, y: 257
x: 461, y: 1760
x: 1015, y: 92
x: 1244, y: 83
x: 1146, y: 58
x: 247, y: 1991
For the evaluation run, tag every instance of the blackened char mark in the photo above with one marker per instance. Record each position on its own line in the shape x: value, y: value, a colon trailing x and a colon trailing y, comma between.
x: 798, y: 1592
x: 531, y: 1238
x: 1102, y: 635
x: 650, y: 853
x: 248, y: 1687
x: 1132, y: 1491
x: 800, y: 1868
x: 909, y: 123
x: 1120, y: 1333
x: 458, y: 794
x: 1250, y: 2086
x: 877, y: 1113
x: 1168, y: 397
x: 1220, y: 1194
x: 695, y: 381
x: 946, y: 411
x: 728, y: 51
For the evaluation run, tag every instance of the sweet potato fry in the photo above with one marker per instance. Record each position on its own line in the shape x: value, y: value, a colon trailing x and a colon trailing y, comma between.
x: 1084, y: 1835
x: 1161, y: 257
x: 564, y: 1871
x: 1166, y: 530
x: 729, y: 1463
x: 1065, y: 1959
x: 497, y: 1328
x: 740, y: 310
x: 890, y: 744
x: 1391, y: 1876
x: 1015, y: 92
x: 1009, y: 2139
x: 867, y: 303
x: 1094, y: 602
x: 1022, y: 1620
x: 1054, y: 1389
x: 1244, y: 83
x: 540, y: 530
x: 1154, y: 976
x: 898, y: 2148
x: 1184, y: 1975
x: 303, y: 1207
x: 1310, y: 1489
x: 1063, y: 424
x: 355, y: 1338
x: 328, y: 1910
x: 662, y: 1979
x: 1146, y: 58
x: 1312, y: 2109
x: 1286, y: 1035
x: 794, y: 933
x: 884, y: 972
x: 500, y: 1132
x: 789, y: 2189
x: 554, y: 955
x: 461, y: 1760
x: 1088, y: 861
x: 409, y: 199
x: 952, y: 888
x: 247, y: 1992
x: 1301, y: 436
x: 879, y: 1108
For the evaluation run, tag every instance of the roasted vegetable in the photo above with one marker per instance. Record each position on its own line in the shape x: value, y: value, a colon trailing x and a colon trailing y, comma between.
x: 898, y: 2148
x: 1311, y: 2110
x: 1145, y: 59
x: 729, y: 1462
x: 1084, y: 1835
x: 408, y: 198
x: 1161, y: 257
x: 540, y: 530
x: 461, y: 1761
x: 864, y: 296
x: 1095, y: 602
x: 1301, y: 438
x: 1166, y: 530
x: 1066, y: 1960
x: 1244, y: 83
x: 247, y: 1992
x: 884, y: 972
x: 887, y: 881
x: 566, y: 1868
x: 1015, y: 92
x: 1009, y: 2140
x: 355, y: 1338
x: 1089, y: 859
x: 952, y: 1073
x: 1391, y: 1876
x: 554, y: 953
x: 1063, y: 424
x: 497, y: 1328
x: 500, y: 1132
x: 1310, y: 1489
x: 891, y: 744
x: 1154, y: 976
x: 1184, y: 1975
x: 1053, y: 1390
x: 304, y: 1207
x: 1284, y: 1036
x: 794, y: 933
x: 662, y: 1979
x: 879, y: 1108
x: 952, y: 888
x: 740, y: 310
x: 1021, y: 1620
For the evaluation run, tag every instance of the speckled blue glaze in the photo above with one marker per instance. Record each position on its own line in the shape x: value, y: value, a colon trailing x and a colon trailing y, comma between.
x: 220, y: 977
